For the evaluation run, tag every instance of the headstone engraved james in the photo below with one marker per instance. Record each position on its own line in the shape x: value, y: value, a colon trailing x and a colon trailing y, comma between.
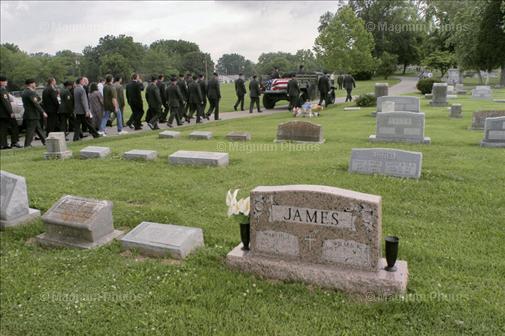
x: 140, y: 154
x: 479, y: 118
x: 78, y: 222
x: 14, y: 209
x: 381, y: 89
x: 400, y: 127
x: 160, y: 240
x: 195, y: 158
x: 200, y: 135
x: 494, y: 132
x: 317, y: 234
x: 397, y: 103
x: 94, y: 152
x: 439, y: 94
x: 57, y: 146
x: 386, y: 161
x: 299, y: 132
x: 482, y: 92
x: 238, y: 136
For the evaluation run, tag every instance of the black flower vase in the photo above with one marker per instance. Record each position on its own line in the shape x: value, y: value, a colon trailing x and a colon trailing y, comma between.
x: 245, y: 235
x: 391, y: 252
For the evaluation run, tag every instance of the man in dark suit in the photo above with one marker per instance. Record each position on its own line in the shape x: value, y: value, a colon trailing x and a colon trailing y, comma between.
x: 50, y: 105
x: 134, y: 97
x: 163, y: 95
x: 7, y: 118
x: 214, y: 95
x: 349, y: 84
x: 240, y: 91
x: 254, y: 93
x: 154, y: 101
x: 66, y: 108
x: 276, y: 74
x: 203, y: 89
x: 324, y: 87
x: 181, y: 83
x: 174, y: 99
x: 195, y: 100
x: 33, y: 113
x: 293, y: 92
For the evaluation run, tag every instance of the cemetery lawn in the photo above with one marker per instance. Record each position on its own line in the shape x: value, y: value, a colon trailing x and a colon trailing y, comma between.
x: 450, y: 224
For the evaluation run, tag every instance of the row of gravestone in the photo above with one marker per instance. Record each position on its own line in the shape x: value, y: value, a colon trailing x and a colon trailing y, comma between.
x: 315, y: 234
x: 399, y: 119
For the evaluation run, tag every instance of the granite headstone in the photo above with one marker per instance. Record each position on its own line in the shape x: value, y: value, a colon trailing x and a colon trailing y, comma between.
x: 494, y: 132
x: 57, y: 146
x: 386, y: 161
x: 299, y: 132
x: 400, y: 127
x: 439, y: 94
x: 479, y: 118
x: 195, y: 158
x: 94, y: 152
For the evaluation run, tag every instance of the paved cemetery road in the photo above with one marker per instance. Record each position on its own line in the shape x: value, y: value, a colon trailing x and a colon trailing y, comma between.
x: 406, y: 85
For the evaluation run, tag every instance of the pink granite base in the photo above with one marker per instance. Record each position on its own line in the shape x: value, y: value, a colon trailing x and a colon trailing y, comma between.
x: 381, y: 283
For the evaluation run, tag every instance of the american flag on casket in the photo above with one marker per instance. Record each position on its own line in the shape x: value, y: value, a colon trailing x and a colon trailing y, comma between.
x: 278, y: 84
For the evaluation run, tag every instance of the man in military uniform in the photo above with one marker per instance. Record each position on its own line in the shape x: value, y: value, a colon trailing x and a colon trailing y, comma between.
x: 240, y: 91
x: 349, y: 84
x: 203, y: 89
x: 293, y: 93
x: 50, y: 104
x: 275, y: 73
x: 254, y: 93
x: 154, y: 102
x: 181, y: 83
x: 134, y: 97
x: 163, y: 95
x: 340, y: 81
x: 195, y: 100
x: 66, y: 108
x: 324, y: 87
x: 174, y: 99
x: 33, y: 113
x: 7, y: 118
x: 214, y: 95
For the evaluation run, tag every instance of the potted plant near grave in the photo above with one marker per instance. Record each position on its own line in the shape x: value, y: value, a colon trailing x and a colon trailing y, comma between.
x: 240, y: 211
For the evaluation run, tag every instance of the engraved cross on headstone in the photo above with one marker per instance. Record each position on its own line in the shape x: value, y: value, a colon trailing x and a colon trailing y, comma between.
x: 310, y: 238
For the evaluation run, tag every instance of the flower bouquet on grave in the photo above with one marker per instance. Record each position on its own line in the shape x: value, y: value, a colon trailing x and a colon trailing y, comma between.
x: 240, y: 211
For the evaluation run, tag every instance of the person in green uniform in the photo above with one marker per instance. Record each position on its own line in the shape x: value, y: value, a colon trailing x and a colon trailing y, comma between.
x: 7, y: 118
x: 195, y: 100
x: 203, y: 89
x: 293, y: 92
x: 66, y: 108
x: 214, y: 95
x: 174, y: 100
x: 254, y: 93
x: 240, y: 92
x: 32, y: 114
x: 154, y: 102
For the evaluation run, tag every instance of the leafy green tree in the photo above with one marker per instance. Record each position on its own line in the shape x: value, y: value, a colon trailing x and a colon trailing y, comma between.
x: 308, y: 59
x: 115, y: 64
x: 491, y: 38
x: 387, y: 65
x: 158, y: 62
x: 345, y: 44
x: 284, y: 61
x: 197, y: 62
x: 440, y: 60
x: 233, y: 64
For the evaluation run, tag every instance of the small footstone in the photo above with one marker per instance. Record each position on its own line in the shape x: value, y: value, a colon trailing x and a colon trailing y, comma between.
x: 78, y: 222
x: 238, y: 136
x: 499, y: 100
x: 94, y: 152
x: 160, y: 240
x: 200, y: 135
x: 140, y: 154
x: 352, y: 108
x: 199, y: 158
x: 170, y: 134
x: 57, y: 146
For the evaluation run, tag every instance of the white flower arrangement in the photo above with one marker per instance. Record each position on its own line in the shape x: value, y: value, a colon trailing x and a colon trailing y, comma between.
x: 240, y: 208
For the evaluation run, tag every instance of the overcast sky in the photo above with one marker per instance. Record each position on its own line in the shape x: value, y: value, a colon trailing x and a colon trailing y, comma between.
x: 218, y: 27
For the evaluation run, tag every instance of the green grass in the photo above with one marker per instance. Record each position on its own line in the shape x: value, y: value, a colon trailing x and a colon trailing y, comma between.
x: 450, y: 223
